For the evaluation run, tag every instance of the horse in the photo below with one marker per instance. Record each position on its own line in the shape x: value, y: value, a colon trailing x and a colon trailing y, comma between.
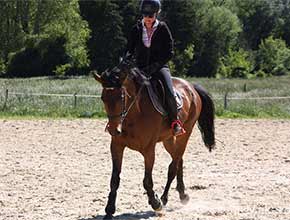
x: 134, y: 123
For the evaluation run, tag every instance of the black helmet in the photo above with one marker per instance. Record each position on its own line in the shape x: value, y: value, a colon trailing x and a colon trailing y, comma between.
x: 149, y: 7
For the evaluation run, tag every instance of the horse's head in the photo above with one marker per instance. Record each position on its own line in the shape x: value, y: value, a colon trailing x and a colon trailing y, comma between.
x: 114, y: 95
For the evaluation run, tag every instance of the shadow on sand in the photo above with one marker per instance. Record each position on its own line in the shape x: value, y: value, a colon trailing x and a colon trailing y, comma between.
x: 126, y: 216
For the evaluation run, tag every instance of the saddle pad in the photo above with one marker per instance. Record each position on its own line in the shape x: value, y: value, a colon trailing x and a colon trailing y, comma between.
x: 157, y: 104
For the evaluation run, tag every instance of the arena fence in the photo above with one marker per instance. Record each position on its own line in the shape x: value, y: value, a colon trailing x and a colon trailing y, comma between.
x: 8, y: 94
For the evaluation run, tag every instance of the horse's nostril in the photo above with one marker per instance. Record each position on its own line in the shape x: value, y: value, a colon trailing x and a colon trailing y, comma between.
x: 114, y: 130
x: 119, y: 128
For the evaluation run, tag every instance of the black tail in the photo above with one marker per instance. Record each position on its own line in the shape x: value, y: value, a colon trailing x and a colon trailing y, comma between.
x: 206, y: 118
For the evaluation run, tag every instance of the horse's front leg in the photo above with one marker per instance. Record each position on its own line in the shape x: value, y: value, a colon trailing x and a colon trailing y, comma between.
x: 117, y: 156
x: 153, y: 199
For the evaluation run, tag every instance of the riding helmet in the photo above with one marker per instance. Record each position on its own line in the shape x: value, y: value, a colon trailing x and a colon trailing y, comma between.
x: 149, y: 7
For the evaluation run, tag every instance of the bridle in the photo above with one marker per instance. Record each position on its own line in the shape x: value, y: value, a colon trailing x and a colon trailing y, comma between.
x: 124, y: 110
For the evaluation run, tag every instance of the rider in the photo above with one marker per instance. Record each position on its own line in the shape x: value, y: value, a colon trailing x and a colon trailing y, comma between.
x: 151, y: 43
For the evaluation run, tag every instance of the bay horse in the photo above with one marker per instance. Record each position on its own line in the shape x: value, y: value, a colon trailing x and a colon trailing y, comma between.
x: 134, y: 123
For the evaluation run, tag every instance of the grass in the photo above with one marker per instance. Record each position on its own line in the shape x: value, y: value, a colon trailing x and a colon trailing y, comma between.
x: 64, y: 107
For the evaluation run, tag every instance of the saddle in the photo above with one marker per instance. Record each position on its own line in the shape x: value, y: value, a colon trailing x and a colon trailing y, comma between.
x: 156, y: 92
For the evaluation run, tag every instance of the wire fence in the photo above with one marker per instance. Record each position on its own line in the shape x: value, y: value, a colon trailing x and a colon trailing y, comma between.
x: 74, y: 96
x: 77, y: 99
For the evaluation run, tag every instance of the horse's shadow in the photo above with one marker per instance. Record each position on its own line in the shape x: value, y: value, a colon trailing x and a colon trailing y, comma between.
x: 126, y: 216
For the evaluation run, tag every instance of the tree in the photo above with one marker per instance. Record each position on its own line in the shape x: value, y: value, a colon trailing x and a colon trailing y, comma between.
x: 107, y: 40
x: 273, y: 56
x: 235, y: 64
x: 258, y: 19
x: 283, y: 12
x: 129, y: 12
x: 11, y: 34
x: 219, y: 33
x: 183, y: 18
x: 26, y: 23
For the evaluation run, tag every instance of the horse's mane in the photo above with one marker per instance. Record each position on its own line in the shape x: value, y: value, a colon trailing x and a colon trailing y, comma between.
x: 116, y: 76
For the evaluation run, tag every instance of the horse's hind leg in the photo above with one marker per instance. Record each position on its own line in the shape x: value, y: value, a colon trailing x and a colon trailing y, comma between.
x: 172, y: 170
x: 180, y: 184
x: 153, y: 199
x: 176, y: 151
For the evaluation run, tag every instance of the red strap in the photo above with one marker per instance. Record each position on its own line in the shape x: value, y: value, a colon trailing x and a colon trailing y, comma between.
x: 175, y: 122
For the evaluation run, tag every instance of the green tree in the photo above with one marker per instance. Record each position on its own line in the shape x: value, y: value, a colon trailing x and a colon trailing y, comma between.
x: 11, y: 34
x: 284, y: 15
x: 129, y: 11
x: 273, y: 56
x: 180, y: 17
x: 235, y: 64
x: 259, y: 20
x: 65, y: 20
x: 107, y: 39
x: 219, y: 33
x: 26, y: 23
x: 183, y: 18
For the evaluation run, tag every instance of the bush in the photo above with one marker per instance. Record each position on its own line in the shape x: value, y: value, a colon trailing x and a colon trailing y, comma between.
x: 273, y: 56
x: 235, y: 64
x: 38, y: 58
x: 24, y: 63
x: 62, y: 70
x: 260, y: 74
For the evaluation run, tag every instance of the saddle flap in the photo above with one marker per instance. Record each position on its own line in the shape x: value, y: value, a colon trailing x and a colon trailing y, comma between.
x: 156, y: 93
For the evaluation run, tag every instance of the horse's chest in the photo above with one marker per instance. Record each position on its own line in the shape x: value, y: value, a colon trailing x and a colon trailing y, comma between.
x: 137, y: 137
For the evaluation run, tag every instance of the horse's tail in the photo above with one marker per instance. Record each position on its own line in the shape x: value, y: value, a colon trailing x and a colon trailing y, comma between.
x: 206, y: 118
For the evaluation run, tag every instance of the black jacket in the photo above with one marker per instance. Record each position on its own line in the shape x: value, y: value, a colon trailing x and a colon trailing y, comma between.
x: 151, y: 59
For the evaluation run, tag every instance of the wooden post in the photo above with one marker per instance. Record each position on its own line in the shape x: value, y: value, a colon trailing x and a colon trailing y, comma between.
x: 245, y: 87
x: 75, y: 100
x: 226, y: 101
x: 6, y: 98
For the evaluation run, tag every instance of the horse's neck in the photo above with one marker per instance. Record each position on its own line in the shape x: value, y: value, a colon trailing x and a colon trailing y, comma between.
x: 138, y: 95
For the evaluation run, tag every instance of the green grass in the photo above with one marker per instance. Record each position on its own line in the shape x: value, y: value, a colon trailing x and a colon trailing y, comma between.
x: 64, y: 107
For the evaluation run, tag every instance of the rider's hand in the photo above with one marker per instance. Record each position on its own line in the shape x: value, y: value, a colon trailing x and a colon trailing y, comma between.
x: 151, y: 69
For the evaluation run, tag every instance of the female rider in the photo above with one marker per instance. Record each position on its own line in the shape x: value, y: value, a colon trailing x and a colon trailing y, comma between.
x: 151, y: 43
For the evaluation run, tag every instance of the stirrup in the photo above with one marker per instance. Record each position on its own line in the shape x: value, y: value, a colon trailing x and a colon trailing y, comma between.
x: 177, y: 129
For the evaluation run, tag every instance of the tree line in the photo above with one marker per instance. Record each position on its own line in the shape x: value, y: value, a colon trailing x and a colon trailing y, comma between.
x: 213, y: 38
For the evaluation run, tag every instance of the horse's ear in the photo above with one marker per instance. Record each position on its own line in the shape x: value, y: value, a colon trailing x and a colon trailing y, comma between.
x: 97, y: 76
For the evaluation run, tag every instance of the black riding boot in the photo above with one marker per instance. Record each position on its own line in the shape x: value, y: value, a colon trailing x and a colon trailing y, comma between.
x: 175, y: 123
x: 171, y: 105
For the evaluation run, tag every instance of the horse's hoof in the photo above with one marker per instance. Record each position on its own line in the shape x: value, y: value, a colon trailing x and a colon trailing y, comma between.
x: 184, y: 199
x: 156, y: 204
x: 158, y: 209
x: 108, y: 217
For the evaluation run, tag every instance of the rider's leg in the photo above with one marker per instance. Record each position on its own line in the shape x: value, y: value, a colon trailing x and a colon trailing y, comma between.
x: 171, y: 105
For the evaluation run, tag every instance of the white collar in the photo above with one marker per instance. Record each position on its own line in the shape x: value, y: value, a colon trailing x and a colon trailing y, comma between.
x: 154, y: 25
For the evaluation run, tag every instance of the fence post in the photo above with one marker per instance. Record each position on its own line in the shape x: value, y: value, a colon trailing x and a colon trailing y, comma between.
x: 245, y: 87
x: 75, y: 100
x: 6, y: 98
x: 226, y: 101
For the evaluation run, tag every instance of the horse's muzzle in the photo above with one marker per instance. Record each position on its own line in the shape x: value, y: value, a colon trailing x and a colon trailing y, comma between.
x: 114, y: 130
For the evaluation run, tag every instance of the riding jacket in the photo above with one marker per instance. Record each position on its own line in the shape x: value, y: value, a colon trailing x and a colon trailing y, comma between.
x: 151, y: 59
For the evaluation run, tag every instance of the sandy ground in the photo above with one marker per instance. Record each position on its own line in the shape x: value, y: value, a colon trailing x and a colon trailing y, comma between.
x: 60, y: 169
